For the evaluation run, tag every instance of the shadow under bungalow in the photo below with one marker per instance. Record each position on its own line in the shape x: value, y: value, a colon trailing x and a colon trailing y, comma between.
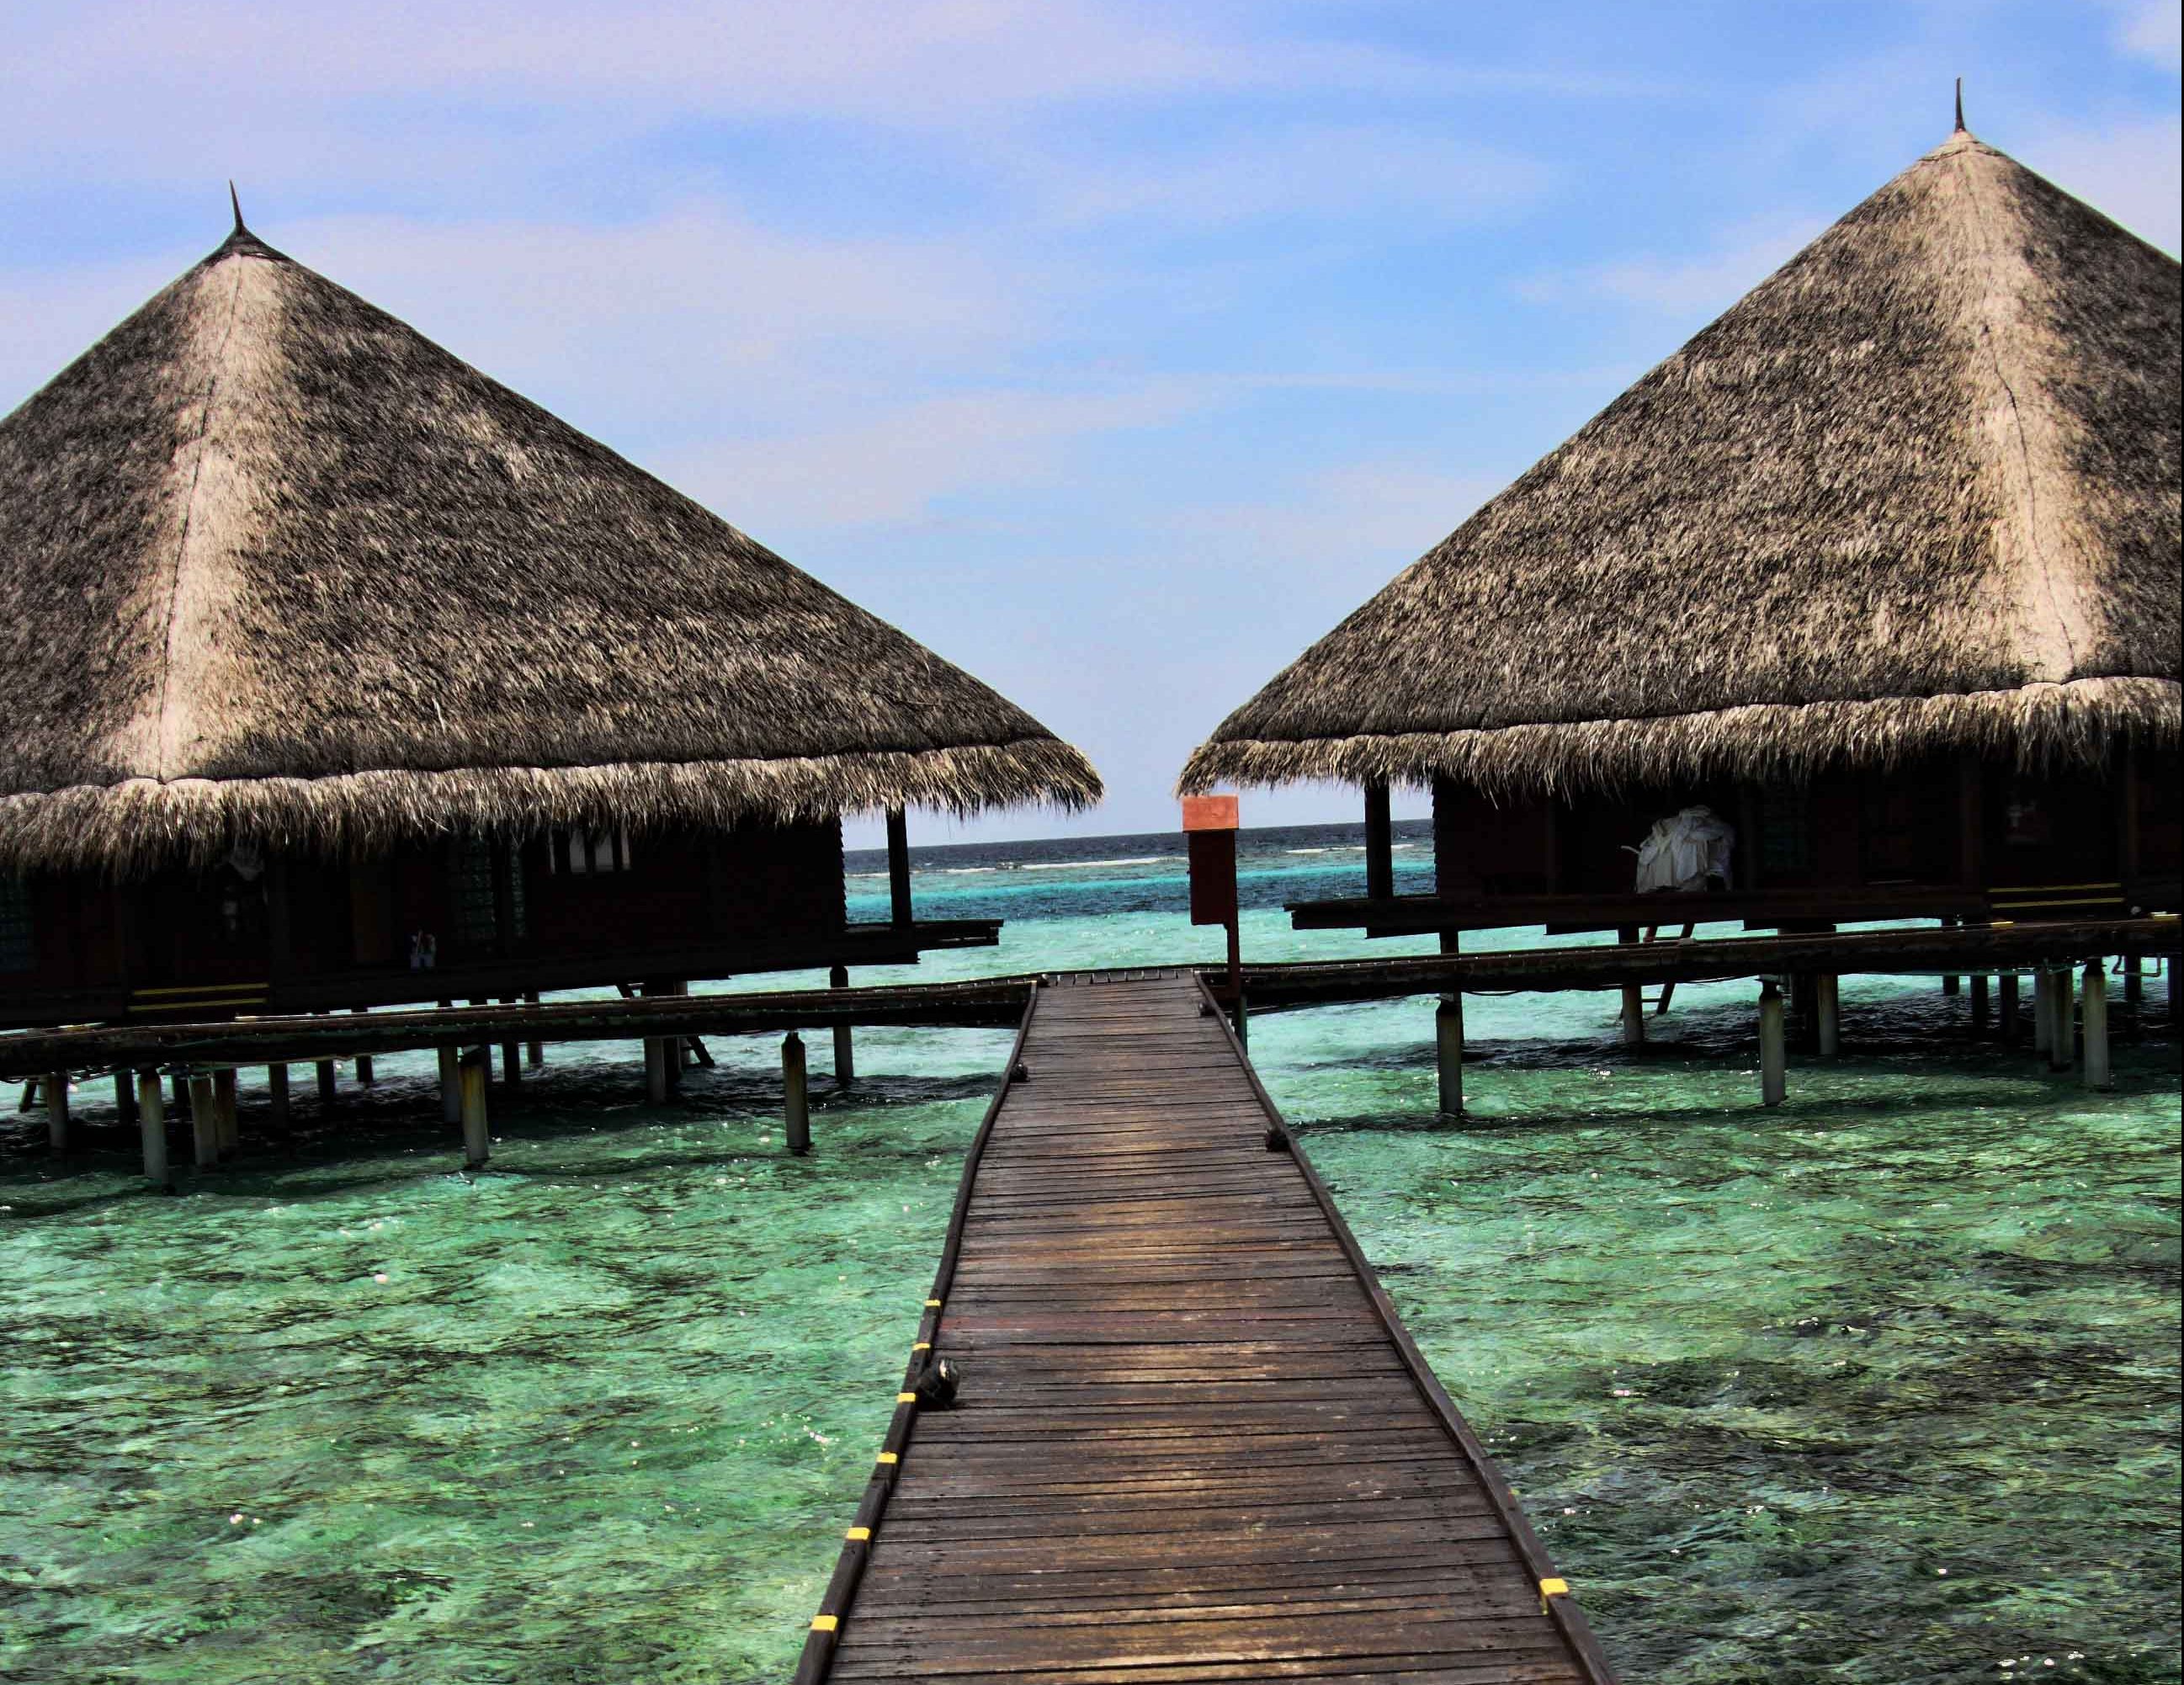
x: 334, y: 674
x: 1880, y: 570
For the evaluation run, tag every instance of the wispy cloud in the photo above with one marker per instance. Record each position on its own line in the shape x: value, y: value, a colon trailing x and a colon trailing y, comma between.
x: 1738, y: 260
x: 2128, y: 169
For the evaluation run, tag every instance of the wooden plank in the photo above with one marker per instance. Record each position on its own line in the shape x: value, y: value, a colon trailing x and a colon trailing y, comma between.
x: 1189, y: 1439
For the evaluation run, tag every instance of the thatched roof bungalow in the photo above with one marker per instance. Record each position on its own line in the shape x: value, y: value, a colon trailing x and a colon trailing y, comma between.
x: 1910, y: 506
x: 279, y: 577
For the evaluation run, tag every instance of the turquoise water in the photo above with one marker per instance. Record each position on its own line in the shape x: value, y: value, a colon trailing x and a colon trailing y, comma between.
x: 1880, y: 1386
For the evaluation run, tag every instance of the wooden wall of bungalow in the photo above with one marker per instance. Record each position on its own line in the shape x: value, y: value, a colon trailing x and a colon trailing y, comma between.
x: 454, y: 918
x: 1949, y: 836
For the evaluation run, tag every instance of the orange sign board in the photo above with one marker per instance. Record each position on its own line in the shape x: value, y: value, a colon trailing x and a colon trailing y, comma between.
x: 1209, y: 813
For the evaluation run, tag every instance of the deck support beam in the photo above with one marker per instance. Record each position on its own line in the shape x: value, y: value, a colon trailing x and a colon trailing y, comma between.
x: 2011, y: 1027
x: 1827, y: 1014
x: 152, y: 1127
x: 2062, y: 1017
x: 223, y: 1111
x: 475, y: 1074
x: 1774, y: 1050
x: 845, y: 1040
x: 796, y: 1095
x: 534, y: 1053
x: 277, y: 1096
x: 898, y: 851
x: 329, y: 1080
x: 204, y: 1130
x: 1980, y: 1008
x: 1448, y: 1047
x: 2097, y: 1075
x: 1379, y: 842
x: 2043, y: 1012
x: 57, y: 1110
x: 656, y: 1049
x: 1634, y: 999
x: 124, y: 1097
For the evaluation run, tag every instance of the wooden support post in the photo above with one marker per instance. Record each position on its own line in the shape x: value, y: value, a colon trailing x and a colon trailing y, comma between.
x: 178, y: 1089
x: 475, y: 1069
x: 451, y: 1084
x: 1980, y: 1011
x: 152, y: 1125
x: 796, y: 1095
x: 1827, y: 1014
x: 1950, y: 983
x: 223, y: 1110
x: 1448, y: 1048
x: 898, y: 848
x: 2063, y: 1017
x: 365, y: 1076
x: 328, y: 1080
x: 204, y: 1130
x: 845, y: 1050
x: 124, y: 1097
x: 511, y: 1062
x: 2097, y: 1025
x: 656, y: 1048
x: 1774, y: 1050
x: 1379, y: 842
x: 2011, y: 1027
x: 1634, y: 999
x: 276, y: 1098
x: 2134, y: 980
x: 2043, y: 1012
x: 57, y: 1110
x: 534, y: 1053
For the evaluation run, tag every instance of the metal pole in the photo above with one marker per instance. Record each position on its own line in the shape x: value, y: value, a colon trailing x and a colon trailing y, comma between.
x: 796, y: 1095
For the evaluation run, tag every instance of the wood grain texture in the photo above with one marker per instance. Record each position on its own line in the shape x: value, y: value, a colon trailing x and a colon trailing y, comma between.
x: 1191, y: 1442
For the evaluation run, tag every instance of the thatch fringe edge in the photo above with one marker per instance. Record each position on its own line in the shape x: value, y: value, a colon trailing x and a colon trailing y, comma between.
x: 2037, y: 726
x: 133, y: 826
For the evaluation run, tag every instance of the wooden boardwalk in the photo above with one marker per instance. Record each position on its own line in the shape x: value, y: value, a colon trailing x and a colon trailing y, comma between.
x: 1192, y: 1441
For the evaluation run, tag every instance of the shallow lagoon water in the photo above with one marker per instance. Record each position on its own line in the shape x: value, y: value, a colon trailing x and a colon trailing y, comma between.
x: 1880, y: 1386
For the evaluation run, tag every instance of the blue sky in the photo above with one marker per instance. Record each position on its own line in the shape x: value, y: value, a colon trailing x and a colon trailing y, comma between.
x: 1116, y: 351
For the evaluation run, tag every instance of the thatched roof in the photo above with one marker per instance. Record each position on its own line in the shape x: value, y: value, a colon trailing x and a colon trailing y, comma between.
x: 272, y: 563
x: 1918, y: 490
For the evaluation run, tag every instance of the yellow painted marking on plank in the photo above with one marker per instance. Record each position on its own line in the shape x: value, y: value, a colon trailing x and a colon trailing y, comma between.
x: 858, y: 1535
x: 906, y: 1398
x: 888, y: 1459
x: 923, y: 1346
x: 825, y: 1623
x: 1552, y: 1589
x: 933, y: 1305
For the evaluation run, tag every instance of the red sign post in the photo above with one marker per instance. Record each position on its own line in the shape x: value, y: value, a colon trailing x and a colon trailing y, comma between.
x: 1209, y: 830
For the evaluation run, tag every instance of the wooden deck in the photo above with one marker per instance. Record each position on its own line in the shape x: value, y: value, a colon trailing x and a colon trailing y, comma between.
x: 1192, y: 1441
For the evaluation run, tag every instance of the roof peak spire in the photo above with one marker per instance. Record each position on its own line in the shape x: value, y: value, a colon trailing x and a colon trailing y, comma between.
x: 236, y: 205
x: 1960, y: 128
